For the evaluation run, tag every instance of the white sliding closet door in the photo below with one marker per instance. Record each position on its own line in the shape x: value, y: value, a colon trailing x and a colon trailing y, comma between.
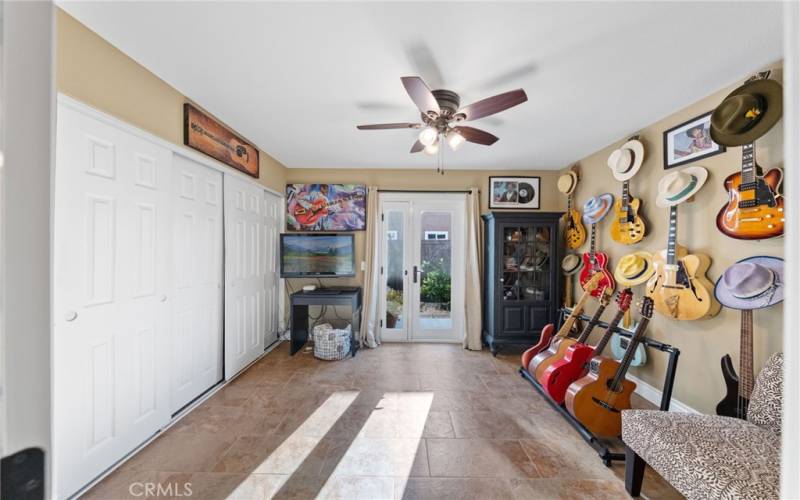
x: 110, y: 308
x: 197, y: 303
x: 245, y: 287
x: 273, y: 208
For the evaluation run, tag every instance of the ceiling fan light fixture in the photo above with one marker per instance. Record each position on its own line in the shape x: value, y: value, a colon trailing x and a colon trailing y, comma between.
x: 428, y: 136
x: 455, y: 140
x: 433, y: 148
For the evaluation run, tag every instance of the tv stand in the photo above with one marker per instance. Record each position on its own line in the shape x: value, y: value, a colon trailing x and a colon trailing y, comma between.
x: 328, y: 296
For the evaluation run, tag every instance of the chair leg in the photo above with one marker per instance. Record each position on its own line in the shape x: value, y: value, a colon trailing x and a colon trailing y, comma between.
x: 634, y: 472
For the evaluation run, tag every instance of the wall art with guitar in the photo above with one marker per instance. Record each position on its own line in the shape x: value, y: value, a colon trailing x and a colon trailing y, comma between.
x: 326, y: 207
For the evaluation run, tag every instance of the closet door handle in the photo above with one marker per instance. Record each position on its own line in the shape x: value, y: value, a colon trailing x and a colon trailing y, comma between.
x: 71, y: 316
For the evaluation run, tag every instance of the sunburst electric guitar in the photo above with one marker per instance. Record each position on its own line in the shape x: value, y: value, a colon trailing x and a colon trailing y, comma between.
x: 679, y: 288
x: 566, y: 328
x: 556, y: 351
x: 574, y: 232
x: 739, y: 388
x: 575, y: 363
x: 627, y: 227
x: 595, y: 262
x: 755, y: 209
x: 597, y: 400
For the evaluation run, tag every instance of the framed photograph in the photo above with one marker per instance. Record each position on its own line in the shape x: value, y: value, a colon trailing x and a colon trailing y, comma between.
x: 521, y: 193
x: 690, y: 141
x: 326, y: 207
x: 205, y: 134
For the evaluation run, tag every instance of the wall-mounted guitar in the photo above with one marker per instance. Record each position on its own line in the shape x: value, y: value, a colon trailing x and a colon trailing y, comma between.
x: 739, y: 388
x: 679, y: 288
x: 595, y: 262
x: 574, y: 232
x: 755, y: 208
x: 627, y: 226
x: 566, y: 328
x: 558, y: 348
x: 574, y: 364
x: 597, y: 400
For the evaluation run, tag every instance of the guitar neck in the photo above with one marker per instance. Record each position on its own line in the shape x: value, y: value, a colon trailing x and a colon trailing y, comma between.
x: 598, y: 349
x: 592, y: 323
x: 592, y: 246
x: 625, y: 199
x: 576, y: 311
x: 673, y: 231
x: 746, y: 376
x: 749, y: 173
x: 629, y: 352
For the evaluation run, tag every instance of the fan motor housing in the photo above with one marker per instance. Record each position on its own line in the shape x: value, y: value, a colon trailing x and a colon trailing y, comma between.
x: 448, y: 100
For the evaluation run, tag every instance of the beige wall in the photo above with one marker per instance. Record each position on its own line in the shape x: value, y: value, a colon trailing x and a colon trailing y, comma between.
x: 95, y: 72
x: 699, y: 382
x: 416, y: 179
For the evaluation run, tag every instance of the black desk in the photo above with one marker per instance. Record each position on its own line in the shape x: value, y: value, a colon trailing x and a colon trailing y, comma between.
x: 329, y: 296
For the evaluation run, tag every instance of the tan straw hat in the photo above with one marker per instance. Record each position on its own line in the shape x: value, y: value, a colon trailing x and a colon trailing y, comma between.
x: 634, y: 269
x: 676, y: 187
x: 627, y: 160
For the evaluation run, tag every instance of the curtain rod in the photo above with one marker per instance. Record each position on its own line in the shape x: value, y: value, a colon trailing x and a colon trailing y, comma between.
x: 420, y: 191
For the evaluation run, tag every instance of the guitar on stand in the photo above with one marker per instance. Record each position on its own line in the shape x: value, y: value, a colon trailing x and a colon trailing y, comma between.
x: 755, y: 209
x: 739, y: 388
x: 596, y: 263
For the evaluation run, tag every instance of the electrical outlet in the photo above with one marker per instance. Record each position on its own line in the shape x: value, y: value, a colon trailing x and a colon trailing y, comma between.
x: 363, y: 265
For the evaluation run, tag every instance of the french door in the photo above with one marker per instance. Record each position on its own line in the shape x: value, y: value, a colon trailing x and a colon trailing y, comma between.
x: 422, y: 256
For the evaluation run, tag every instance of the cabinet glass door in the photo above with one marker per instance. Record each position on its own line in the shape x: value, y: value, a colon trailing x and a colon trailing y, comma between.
x: 525, y: 264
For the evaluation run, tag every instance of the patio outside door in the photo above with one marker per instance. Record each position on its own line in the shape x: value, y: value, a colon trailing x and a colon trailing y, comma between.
x: 422, y: 255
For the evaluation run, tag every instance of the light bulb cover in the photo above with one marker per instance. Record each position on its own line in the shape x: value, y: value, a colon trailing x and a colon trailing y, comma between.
x: 428, y: 136
x: 455, y: 139
x: 432, y: 149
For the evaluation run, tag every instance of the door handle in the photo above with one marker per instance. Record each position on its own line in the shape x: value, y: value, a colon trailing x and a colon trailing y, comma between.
x: 163, y: 298
x: 70, y: 316
x: 416, y: 273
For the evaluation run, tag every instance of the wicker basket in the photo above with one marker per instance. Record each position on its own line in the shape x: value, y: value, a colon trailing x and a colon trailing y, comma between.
x: 330, y: 343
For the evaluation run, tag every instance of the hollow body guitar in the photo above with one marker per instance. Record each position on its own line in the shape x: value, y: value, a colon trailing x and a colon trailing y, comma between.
x: 542, y: 361
x: 575, y: 363
x: 679, y: 288
x: 594, y: 263
x: 628, y: 226
x: 574, y: 232
x: 547, y: 332
x: 739, y: 388
x: 755, y: 209
x: 597, y: 400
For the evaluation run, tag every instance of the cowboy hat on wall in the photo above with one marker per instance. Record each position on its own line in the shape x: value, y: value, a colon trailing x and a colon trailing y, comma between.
x: 626, y: 160
x: 748, y: 112
x: 677, y: 187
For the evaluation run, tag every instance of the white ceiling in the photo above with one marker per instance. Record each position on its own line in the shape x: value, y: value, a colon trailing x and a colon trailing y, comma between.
x: 296, y: 78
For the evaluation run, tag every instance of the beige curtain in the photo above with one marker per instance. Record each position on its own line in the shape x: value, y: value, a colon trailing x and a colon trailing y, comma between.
x: 474, y: 289
x: 370, y: 335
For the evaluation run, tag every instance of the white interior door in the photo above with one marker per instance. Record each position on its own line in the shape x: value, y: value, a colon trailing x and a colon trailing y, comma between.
x: 273, y: 208
x: 422, y: 265
x: 197, y: 296
x: 245, y: 290
x: 111, y: 279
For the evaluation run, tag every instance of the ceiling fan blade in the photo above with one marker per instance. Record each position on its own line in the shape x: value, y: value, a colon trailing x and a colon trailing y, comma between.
x: 383, y: 126
x: 420, y: 94
x: 492, y: 105
x: 477, y: 136
x: 417, y: 147
x: 424, y: 64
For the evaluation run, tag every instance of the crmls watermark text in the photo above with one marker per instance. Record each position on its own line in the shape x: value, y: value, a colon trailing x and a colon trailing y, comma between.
x: 160, y: 489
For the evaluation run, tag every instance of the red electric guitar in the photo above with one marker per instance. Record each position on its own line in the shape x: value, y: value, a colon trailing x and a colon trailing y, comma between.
x: 319, y: 209
x: 575, y: 363
x: 595, y: 262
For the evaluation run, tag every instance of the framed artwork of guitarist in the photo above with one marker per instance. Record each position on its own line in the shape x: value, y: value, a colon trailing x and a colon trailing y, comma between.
x: 326, y: 207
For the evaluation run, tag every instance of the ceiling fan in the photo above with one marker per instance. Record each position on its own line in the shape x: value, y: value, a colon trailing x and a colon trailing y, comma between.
x: 442, y: 115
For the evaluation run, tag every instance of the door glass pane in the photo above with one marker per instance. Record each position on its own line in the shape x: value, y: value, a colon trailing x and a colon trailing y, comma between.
x: 394, y: 269
x: 515, y: 260
x: 436, y: 252
x: 534, y: 269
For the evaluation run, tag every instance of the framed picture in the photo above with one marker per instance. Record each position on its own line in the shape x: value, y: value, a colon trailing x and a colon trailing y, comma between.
x: 205, y: 134
x: 690, y: 141
x: 326, y: 207
x: 521, y: 193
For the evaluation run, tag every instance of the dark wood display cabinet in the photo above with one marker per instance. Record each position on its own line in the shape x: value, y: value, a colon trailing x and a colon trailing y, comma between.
x: 522, y: 282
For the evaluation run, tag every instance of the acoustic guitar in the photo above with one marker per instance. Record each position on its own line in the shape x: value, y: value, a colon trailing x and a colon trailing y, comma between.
x: 739, y: 388
x: 679, y: 288
x: 566, y: 328
x: 595, y: 262
x: 563, y: 372
x: 558, y: 348
x: 597, y: 400
x: 627, y: 227
x: 574, y: 232
x: 755, y: 209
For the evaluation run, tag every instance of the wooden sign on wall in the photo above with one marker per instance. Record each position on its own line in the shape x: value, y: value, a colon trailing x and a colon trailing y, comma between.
x: 208, y: 136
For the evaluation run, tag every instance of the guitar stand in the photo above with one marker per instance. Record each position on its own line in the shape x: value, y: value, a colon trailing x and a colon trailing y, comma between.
x: 599, y: 444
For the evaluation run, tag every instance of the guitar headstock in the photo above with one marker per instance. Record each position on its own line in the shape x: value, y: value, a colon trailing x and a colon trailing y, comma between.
x: 605, y: 296
x: 647, y: 307
x: 593, y: 282
x: 624, y: 299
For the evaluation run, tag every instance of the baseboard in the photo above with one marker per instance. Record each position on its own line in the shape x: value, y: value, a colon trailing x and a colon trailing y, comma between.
x: 653, y: 395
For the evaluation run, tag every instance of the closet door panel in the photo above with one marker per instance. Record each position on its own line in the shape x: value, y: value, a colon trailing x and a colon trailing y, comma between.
x: 197, y: 260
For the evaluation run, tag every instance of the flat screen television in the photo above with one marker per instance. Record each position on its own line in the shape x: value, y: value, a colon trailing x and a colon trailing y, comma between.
x: 329, y: 255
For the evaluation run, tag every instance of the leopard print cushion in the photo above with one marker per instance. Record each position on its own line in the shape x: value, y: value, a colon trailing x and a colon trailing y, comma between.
x: 765, y: 402
x: 706, y: 456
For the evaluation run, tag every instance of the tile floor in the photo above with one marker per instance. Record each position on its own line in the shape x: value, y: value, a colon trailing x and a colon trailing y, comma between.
x: 410, y: 421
